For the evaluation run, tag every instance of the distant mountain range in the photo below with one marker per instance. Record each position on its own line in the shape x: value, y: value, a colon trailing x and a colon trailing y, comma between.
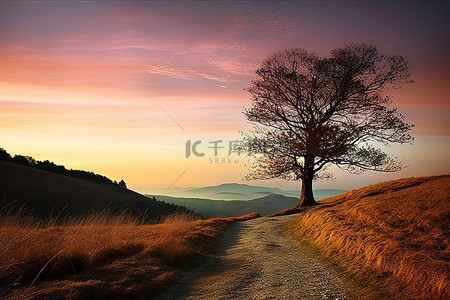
x: 232, y: 199
x: 229, y: 188
x: 236, y: 191
x: 220, y: 208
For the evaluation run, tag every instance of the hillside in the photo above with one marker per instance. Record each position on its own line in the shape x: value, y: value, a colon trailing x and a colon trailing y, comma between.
x: 394, y: 235
x: 47, y: 193
x: 100, y: 256
x: 237, y: 188
x: 49, y: 166
x: 233, y: 199
x: 217, y: 208
x: 234, y: 191
x: 238, y: 191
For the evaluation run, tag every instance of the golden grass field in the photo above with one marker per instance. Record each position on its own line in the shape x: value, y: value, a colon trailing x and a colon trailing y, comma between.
x: 99, y: 255
x: 393, y: 235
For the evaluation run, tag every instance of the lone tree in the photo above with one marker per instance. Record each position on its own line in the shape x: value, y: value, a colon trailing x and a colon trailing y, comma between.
x: 310, y: 112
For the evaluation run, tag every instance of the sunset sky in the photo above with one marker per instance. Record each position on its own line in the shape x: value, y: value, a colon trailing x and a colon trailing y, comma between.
x: 118, y: 88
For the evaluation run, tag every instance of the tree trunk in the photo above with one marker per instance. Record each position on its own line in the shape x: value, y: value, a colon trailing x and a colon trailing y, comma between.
x: 306, y: 196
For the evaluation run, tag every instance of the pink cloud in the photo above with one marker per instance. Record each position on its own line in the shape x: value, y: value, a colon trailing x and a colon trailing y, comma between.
x: 168, y: 70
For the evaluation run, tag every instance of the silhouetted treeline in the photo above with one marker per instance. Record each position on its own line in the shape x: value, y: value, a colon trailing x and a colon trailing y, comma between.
x: 58, y: 169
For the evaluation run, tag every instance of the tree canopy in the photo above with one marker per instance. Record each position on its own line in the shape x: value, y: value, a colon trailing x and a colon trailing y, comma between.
x: 310, y: 112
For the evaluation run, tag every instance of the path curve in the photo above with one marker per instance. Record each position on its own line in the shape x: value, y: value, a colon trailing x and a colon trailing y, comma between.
x: 257, y: 259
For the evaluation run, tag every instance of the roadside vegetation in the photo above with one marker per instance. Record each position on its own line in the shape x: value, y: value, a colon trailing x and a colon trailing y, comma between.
x: 393, y: 235
x: 99, y: 255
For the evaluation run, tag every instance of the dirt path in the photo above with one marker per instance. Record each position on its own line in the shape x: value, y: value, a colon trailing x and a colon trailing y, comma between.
x: 256, y: 259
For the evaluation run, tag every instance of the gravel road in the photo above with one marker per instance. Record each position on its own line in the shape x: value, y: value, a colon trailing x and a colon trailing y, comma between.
x: 257, y: 259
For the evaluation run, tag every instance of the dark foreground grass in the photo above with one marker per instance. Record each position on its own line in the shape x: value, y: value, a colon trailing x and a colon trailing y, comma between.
x: 393, y: 235
x: 99, y: 256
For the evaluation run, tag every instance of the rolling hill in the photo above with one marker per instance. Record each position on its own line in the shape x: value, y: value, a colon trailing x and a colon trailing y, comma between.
x: 45, y: 193
x: 393, y: 234
x: 218, y: 208
x: 237, y: 196
x: 234, y: 199
x: 237, y: 191
x: 237, y: 188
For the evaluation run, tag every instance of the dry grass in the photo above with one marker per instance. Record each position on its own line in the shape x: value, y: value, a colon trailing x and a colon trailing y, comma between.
x: 101, y: 255
x: 393, y: 234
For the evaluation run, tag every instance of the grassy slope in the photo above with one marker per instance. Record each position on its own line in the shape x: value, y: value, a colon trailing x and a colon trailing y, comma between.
x: 98, y: 256
x: 46, y: 192
x: 394, y: 234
